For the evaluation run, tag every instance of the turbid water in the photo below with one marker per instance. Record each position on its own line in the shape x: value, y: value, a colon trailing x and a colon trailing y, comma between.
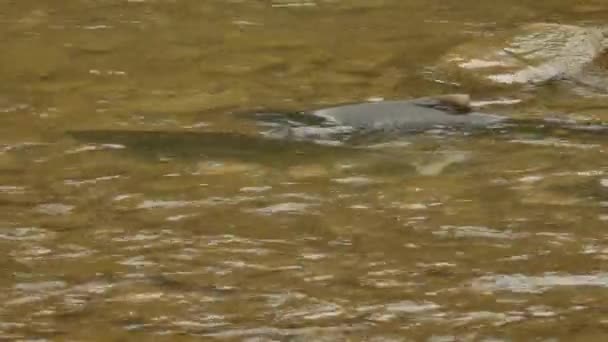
x: 190, y: 226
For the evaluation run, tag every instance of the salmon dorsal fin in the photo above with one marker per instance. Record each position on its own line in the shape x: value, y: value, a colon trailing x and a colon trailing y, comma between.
x: 450, y: 103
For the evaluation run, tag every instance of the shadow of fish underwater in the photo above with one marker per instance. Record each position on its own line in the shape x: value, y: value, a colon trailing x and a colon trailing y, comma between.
x: 216, y: 147
x: 152, y: 146
x: 205, y: 144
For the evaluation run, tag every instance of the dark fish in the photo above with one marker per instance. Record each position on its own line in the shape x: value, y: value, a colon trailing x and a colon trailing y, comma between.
x: 389, y: 119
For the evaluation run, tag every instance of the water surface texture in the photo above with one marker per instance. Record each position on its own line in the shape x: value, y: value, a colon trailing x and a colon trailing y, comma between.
x: 203, y: 232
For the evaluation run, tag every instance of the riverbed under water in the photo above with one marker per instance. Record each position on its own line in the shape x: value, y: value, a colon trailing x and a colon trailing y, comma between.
x: 195, y: 233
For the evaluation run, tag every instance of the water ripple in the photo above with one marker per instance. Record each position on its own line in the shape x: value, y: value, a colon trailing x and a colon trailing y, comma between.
x: 477, y: 232
x: 25, y: 234
x: 520, y: 283
x: 287, y: 208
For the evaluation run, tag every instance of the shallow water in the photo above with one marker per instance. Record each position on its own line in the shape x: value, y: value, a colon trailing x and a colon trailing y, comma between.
x: 200, y: 233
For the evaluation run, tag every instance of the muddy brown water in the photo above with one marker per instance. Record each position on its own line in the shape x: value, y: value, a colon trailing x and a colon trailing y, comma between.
x: 193, y: 235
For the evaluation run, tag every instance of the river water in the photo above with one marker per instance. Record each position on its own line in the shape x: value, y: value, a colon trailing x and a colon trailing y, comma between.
x: 196, y: 233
